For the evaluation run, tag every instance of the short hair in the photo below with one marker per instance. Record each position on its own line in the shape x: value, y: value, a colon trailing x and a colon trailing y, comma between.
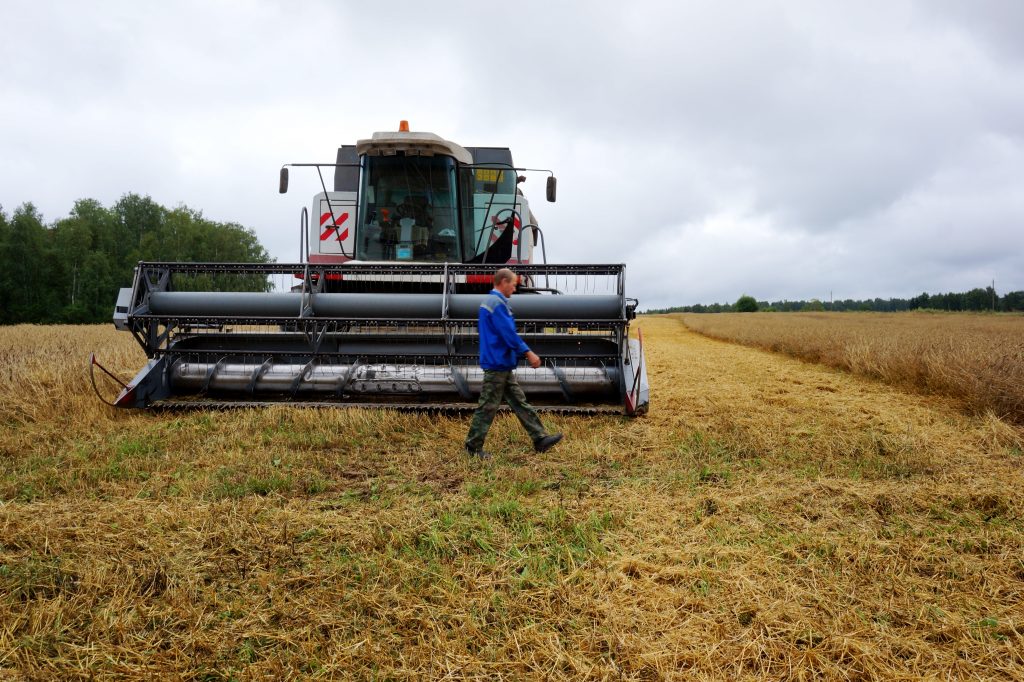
x: 504, y: 275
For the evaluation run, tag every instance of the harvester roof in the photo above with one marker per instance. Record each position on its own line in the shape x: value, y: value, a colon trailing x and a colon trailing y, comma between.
x: 414, y: 143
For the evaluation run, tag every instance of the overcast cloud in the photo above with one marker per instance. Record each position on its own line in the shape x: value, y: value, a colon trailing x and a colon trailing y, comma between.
x: 780, y: 149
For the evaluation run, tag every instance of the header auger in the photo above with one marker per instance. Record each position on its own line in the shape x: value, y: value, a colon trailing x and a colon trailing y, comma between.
x: 382, y: 307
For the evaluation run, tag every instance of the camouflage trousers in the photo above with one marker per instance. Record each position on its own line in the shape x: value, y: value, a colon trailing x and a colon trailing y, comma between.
x: 498, y: 386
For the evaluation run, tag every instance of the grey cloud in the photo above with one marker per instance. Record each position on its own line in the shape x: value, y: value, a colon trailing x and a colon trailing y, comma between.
x: 780, y: 149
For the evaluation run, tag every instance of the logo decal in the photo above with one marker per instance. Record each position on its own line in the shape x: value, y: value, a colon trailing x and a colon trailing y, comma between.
x: 334, y: 228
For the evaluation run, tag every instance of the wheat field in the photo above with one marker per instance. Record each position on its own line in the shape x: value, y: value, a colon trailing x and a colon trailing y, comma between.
x: 975, y: 358
x: 769, y: 519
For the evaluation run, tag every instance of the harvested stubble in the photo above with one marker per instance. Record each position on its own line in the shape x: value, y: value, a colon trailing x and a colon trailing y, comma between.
x: 768, y: 519
x: 975, y: 358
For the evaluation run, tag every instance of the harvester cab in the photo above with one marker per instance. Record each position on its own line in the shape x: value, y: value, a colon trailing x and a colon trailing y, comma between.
x: 412, y: 197
x: 381, y: 307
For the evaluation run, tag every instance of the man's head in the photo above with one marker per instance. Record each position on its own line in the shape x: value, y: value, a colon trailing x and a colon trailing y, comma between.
x: 505, y: 281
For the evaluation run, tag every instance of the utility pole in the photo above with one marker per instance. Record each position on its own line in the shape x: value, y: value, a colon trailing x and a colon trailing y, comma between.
x: 993, y: 294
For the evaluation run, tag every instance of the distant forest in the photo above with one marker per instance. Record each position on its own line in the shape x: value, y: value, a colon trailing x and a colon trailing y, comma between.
x: 978, y: 300
x: 70, y: 271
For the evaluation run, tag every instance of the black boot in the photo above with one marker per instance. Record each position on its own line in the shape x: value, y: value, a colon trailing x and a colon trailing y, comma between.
x: 545, y: 443
x: 482, y: 454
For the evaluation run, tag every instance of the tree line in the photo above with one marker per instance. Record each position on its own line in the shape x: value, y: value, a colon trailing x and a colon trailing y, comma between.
x: 70, y: 270
x: 976, y: 300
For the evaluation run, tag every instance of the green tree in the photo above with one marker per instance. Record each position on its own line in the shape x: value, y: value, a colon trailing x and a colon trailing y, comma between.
x: 814, y: 305
x: 978, y: 299
x: 1013, y: 301
x: 28, y: 276
x: 5, y: 230
x: 746, y: 304
x: 88, y: 254
x: 137, y: 216
x: 70, y: 271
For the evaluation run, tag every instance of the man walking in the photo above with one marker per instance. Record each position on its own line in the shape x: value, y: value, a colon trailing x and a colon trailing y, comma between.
x: 500, y: 350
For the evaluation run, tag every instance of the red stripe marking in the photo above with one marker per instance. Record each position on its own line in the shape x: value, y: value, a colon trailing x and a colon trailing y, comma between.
x: 325, y: 218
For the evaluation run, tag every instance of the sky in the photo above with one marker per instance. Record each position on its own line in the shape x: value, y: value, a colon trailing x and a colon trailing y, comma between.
x: 781, y: 149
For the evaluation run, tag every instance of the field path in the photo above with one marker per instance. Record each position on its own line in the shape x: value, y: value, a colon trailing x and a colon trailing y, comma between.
x: 776, y: 400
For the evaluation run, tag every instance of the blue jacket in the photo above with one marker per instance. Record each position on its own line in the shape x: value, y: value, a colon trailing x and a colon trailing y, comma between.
x: 500, y: 345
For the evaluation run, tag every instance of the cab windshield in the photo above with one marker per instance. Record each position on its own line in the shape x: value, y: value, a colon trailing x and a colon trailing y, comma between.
x: 408, y: 210
x: 487, y: 191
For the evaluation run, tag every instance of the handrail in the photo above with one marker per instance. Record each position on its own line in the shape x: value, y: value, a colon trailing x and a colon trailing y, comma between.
x: 304, y: 235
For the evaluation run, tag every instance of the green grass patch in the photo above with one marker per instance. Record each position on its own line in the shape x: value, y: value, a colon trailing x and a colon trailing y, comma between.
x: 35, y: 577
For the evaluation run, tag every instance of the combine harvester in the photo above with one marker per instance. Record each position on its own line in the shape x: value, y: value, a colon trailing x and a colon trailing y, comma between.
x: 382, y: 308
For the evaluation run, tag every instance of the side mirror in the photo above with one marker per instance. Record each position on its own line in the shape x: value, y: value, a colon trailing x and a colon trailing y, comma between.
x: 552, y: 186
x: 284, y: 181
